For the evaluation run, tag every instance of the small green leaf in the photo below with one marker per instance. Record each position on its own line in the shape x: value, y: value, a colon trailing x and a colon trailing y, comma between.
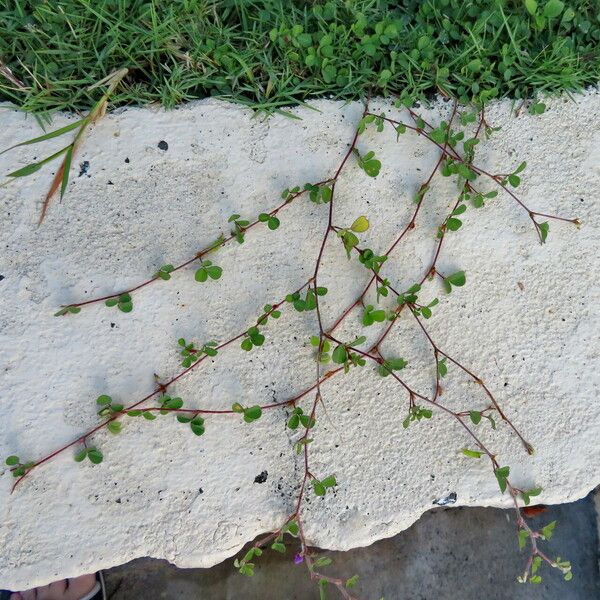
x: 329, y: 481
x: 548, y: 530
x: 81, y: 455
x: 457, y: 279
x: 201, y: 275
x: 520, y: 168
x: 95, y: 455
x: 292, y: 528
x: 502, y: 474
x: 115, y: 427
x: 523, y: 537
x: 252, y: 413
x: 278, y: 547
x: 442, y: 367
x: 322, y: 561
x: 319, y: 488
x: 453, y: 224
x: 125, y: 307
x: 544, y: 228
x: 214, y: 272
x: 472, y: 453
x: 537, y: 108
x: 360, y: 225
x: 12, y: 460
x: 531, y: 6
x: 553, y: 9
x: 197, y: 426
x: 340, y: 355
x: 475, y: 417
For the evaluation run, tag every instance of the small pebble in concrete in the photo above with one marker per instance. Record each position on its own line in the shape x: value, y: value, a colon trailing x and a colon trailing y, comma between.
x: 261, y: 477
x: 163, y: 145
x: 446, y: 500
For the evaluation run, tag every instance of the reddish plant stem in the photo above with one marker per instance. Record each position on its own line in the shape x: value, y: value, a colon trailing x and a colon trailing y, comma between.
x: 450, y: 152
x: 475, y: 378
x: 409, y: 227
x: 161, y: 389
x: 376, y: 357
x: 197, y: 256
x: 318, y: 396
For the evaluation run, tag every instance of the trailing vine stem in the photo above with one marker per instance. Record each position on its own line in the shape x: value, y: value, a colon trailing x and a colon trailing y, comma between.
x: 447, y: 151
x: 161, y: 389
x: 219, y: 243
x: 497, y: 179
x: 347, y: 355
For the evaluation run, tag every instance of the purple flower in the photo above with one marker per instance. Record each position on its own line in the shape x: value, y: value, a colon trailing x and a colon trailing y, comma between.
x: 298, y: 559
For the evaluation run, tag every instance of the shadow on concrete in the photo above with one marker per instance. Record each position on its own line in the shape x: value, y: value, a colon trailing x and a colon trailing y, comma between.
x: 449, y: 554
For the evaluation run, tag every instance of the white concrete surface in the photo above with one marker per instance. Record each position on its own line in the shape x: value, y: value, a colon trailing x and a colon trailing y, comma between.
x: 527, y: 323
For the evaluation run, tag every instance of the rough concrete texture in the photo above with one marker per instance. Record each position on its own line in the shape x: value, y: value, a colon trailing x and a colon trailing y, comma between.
x: 449, y: 554
x: 525, y: 322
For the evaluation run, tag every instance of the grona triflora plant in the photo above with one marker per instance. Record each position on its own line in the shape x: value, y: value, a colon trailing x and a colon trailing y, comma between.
x: 335, y: 356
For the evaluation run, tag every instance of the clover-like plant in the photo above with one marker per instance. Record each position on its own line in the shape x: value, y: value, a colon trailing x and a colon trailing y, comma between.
x: 335, y: 356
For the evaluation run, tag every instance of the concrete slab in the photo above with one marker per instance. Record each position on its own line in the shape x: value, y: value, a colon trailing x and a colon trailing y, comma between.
x: 526, y: 322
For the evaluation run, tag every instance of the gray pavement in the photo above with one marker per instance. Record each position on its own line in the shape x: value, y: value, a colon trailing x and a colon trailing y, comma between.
x: 449, y: 554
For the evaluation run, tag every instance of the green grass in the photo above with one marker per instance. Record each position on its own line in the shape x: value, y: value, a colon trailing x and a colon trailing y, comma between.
x: 268, y: 54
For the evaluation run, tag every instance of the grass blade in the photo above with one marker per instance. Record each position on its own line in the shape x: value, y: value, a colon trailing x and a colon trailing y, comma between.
x: 66, y: 168
x: 47, y: 136
x: 33, y: 167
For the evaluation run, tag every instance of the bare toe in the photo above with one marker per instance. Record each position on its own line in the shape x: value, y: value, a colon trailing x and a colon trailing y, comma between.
x: 79, y: 587
x: 54, y: 591
x: 66, y: 589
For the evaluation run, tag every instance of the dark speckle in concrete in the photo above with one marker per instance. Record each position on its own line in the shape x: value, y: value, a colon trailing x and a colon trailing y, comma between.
x: 261, y: 477
x: 163, y: 145
x: 84, y: 168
